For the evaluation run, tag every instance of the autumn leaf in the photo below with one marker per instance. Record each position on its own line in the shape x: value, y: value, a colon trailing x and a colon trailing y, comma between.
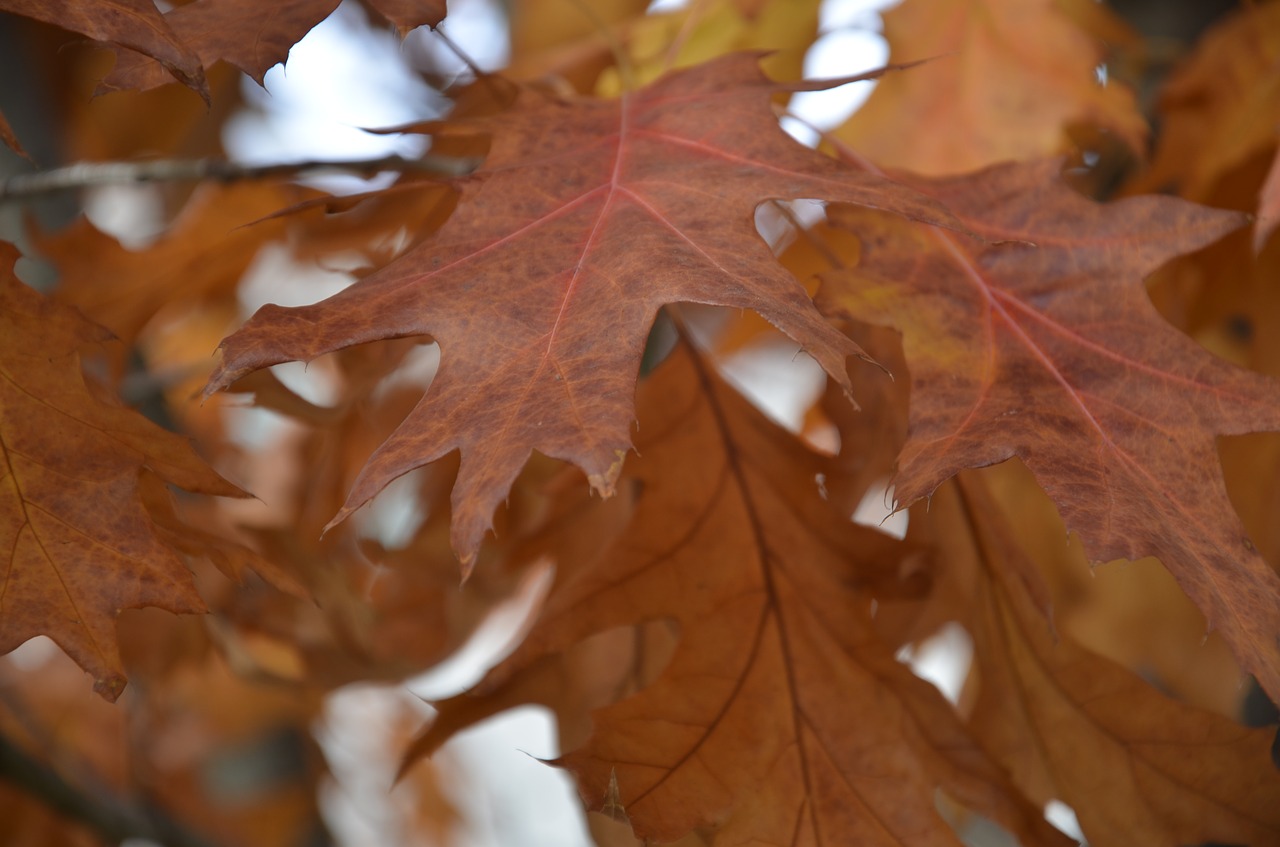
x: 543, y: 285
x: 251, y: 36
x: 1220, y: 107
x: 1138, y: 767
x: 871, y: 433
x: 658, y: 43
x: 718, y: 636
x: 1042, y: 343
x: 134, y: 24
x: 374, y: 611
x: 80, y: 546
x: 781, y: 719
x: 208, y: 246
x: 547, y: 42
x: 1008, y: 78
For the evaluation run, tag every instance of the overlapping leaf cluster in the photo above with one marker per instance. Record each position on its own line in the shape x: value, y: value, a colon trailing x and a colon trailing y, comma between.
x: 719, y: 641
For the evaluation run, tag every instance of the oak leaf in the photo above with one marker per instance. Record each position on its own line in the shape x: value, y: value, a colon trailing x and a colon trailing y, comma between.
x: 548, y: 43
x: 870, y: 436
x: 658, y: 43
x: 1041, y: 343
x: 196, y: 263
x: 252, y: 36
x: 999, y: 97
x: 1220, y: 107
x: 1138, y: 767
x: 79, y: 545
x: 1131, y: 612
x: 243, y: 32
x: 542, y: 286
x: 378, y: 612
x: 781, y: 719
x: 133, y: 24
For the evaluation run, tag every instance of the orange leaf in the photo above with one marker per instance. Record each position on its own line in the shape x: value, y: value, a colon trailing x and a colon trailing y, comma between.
x: 1137, y: 767
x: 134, y: 24
x: 1221, y: 107
x: 1007, y: 79
x: 543, y: 285
x: 196, y: 262
x: 235, y: 31
x: 781, y: 718
x: 80, y: 546
x: 1044, y: 345
x: 252, y: 37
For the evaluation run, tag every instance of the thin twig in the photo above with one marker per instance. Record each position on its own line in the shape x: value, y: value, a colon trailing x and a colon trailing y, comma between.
x: 458, y: 52
x: 88, y: 174
x: 110, y: 818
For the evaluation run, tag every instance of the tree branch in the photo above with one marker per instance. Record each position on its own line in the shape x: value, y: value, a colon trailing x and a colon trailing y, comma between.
x: 109, y: 817
x: 87, y: 174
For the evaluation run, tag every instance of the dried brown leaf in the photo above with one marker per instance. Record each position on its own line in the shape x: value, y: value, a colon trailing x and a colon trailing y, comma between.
x: 80, y: 546
x: 542, y: 287
x: 1136, y: 766
x: 1041, y: 343
x: 1006, y: 80
x: 781, y: 718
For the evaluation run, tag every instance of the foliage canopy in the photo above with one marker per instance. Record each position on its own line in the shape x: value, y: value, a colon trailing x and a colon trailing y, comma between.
x: 1055, y: 338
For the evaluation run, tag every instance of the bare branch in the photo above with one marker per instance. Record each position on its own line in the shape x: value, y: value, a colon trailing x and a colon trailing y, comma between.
x: 109, y: 817
x: 88, y: 174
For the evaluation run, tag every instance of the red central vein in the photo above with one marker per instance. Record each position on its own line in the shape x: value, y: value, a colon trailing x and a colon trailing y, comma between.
x: 414, y: 278
x: 1107, y: 352
x: 988, y: 328
x: 994, y: 305
x: 993, y: 300
x: 612, y: 191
